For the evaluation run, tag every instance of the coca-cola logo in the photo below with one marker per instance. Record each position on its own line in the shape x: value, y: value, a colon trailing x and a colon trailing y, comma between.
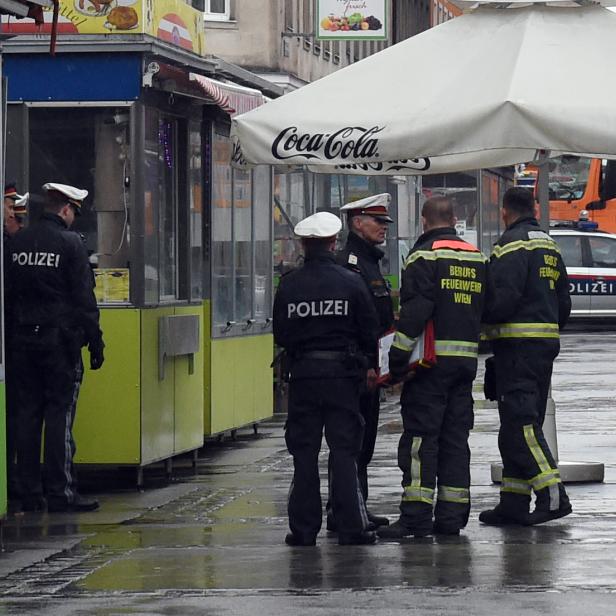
x: 414, y: 164
x: 348, y: 143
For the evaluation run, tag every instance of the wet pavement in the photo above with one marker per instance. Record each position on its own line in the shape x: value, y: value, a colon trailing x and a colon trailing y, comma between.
x: 212, y: 543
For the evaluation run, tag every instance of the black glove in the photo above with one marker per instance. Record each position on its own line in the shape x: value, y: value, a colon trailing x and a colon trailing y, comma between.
x: 398, y: 364
x: 96, y: 354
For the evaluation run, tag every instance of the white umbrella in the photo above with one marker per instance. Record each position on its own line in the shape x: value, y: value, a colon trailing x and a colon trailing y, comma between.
x: 489, y: 88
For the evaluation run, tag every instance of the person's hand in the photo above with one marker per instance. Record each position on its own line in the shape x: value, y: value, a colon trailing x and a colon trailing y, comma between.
x: 371, y: 379
x: 97, y: 357
x: 400, y: 376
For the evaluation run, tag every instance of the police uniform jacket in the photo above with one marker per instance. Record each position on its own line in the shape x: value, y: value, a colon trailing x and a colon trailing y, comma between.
x: 51, y: 281
x: 444, y: 279
x: 529, y: 290
x: 363, y: 258
x: 325, y: 319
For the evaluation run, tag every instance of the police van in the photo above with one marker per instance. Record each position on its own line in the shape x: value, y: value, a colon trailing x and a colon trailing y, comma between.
x: 590, y: 257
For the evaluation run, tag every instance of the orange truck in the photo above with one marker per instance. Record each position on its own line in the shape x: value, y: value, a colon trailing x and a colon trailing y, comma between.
x: 577, y: 184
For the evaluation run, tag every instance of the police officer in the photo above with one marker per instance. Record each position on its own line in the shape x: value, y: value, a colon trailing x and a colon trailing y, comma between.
x: 444, y: 281
x: 14, y: 211
x: 529, y: 304
x: 11, y: 198
x: 326, y: 322
x: 54, y: 313
x: 368, y: 220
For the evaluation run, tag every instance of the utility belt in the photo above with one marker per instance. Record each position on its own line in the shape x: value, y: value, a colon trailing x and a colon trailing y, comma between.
x: 323, y: 355
x: 45, y: 336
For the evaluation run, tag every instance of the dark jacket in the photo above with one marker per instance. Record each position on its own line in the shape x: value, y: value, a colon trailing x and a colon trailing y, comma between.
x: 444, y: 279
x: 323, y: 307
x: 529, y: 295
x: 51, y: 281
x: 363, y: 258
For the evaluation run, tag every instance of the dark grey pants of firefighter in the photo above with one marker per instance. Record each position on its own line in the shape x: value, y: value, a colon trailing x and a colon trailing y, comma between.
x: 437, y: 416
x: 332, y: 405
x: 523, y: 375
x: 48, y: 377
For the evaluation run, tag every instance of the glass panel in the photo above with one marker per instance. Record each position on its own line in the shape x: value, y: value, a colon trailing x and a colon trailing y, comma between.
x: 290, y: 207
x: 222, y: 232
x: 151, y: 182
x: 242, y: 228
x: 262, y: 215
x: 462, y: 188
x: 168, y: 158
x: 218, y: 6
x: 568, y: 177
x: 90, y: 151
x: 196, y: 210
x: 570, y: 249
x: 603, y: 251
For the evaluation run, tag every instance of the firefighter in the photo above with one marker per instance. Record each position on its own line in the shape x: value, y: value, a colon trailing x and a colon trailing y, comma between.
x: 529, y: 305
x: 444, y: 281
x: 325, y: 320
x: 54, y: 314
x: 368, y: 220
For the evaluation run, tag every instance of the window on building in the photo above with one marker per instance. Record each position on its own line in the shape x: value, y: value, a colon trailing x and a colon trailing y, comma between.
x: 218, y: 10
x: 289, y: 17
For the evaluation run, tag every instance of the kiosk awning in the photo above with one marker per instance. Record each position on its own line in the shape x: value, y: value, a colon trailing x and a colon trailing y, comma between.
x: 231, y: 98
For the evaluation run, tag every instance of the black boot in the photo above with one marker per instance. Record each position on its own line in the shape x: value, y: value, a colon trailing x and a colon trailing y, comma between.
x: 296, y: 540
x: 365, y: 538
x: 377, y: 520
x: 501, y: 517
x: 546, y: 499
x: 33, y: 503
x: 79, y: 503
x: 399, y: 530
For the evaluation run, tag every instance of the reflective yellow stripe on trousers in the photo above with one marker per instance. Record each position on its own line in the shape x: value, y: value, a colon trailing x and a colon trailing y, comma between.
x: 415, y: 492
x: 456, y: 348
x: 516, y: 486
x: 548, y: 477
x: 449, y: 494
x: 522, y: 330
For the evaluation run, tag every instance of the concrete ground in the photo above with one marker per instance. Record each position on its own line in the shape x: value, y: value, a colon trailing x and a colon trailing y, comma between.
x: 212, y: 543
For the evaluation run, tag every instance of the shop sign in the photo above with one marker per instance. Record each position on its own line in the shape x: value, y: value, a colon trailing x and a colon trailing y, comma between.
x: 172, y: 21
x: 352, y: 20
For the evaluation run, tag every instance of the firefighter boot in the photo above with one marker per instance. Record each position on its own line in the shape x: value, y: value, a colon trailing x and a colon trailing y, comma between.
x: 399, y: 530
x: 512, y: 509
x: 552, y: 503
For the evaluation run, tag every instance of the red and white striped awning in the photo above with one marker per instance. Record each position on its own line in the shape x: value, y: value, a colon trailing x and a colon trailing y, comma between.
x: 230, y: 97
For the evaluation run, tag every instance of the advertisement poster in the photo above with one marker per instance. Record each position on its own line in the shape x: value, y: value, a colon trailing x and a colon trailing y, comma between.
x: 172, y: 21
x: 352, y: 20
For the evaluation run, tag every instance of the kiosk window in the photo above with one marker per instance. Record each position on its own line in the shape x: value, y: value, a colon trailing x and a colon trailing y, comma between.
x: 89, y: 148
x: 241, y: 243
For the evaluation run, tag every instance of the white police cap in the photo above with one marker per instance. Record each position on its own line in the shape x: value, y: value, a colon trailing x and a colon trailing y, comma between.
x: 319, y: 225
x: 75, y: 195
x: 376, y: 206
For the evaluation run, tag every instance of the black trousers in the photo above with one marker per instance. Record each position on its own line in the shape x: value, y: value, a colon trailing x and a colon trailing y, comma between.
x: 12, y: 425
x: 523, y: 374
x: 48, y: 376
x: 330, y: 405
x: 437, y: 416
